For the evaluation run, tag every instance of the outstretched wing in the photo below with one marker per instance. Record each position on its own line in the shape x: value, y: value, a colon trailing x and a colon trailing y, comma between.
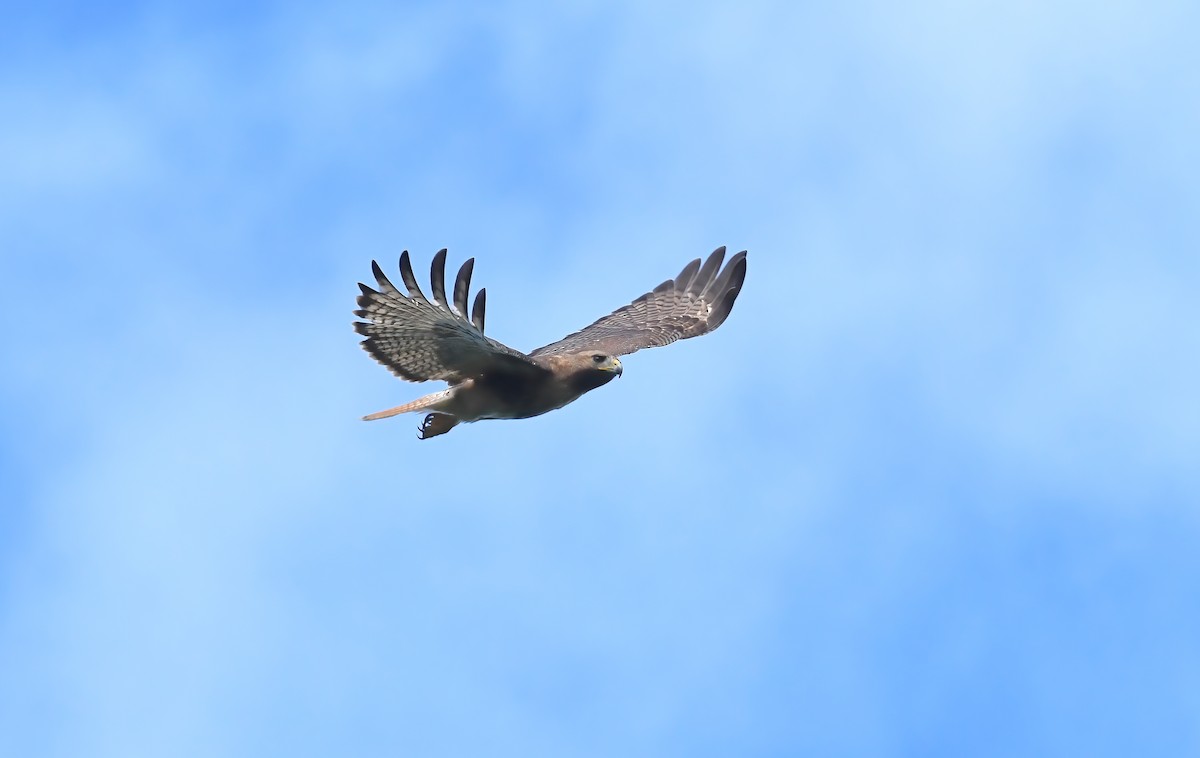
x: 695, y: 302
x: 420, y: 340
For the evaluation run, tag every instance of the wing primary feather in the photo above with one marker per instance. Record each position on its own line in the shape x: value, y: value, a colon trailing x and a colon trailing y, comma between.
x: 711, y: 266
x: 366, y: 291
x: 437, y: 278
x: 385, y: 284
x: 462, y: 284
x: 733, y: 286
x: 721, y: 309
x: 718, y: 286
x: 685, y: 277
x: 478, y: 308
x: 666, y: 286
x: 410, y: 281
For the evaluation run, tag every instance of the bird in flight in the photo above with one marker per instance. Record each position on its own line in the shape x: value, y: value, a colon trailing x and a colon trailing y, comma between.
x: 422, y: 340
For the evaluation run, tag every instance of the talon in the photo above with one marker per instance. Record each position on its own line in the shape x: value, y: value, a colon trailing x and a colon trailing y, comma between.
x: 436, y: 424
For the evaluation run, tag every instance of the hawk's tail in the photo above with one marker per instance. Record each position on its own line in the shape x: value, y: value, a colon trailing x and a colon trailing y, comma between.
x: 420, y: 404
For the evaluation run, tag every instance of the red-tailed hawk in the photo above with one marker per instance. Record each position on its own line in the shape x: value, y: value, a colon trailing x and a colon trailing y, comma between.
x: 422, y: 340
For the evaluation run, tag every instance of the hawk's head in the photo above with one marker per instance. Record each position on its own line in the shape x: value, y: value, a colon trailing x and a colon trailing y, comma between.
x: 601, y: 362
x: 586, y: 370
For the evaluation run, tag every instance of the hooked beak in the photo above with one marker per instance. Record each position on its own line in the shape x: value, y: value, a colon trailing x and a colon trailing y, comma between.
x: 615, y: 367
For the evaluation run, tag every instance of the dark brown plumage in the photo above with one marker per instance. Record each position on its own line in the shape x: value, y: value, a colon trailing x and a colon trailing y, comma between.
x: 421, y: 340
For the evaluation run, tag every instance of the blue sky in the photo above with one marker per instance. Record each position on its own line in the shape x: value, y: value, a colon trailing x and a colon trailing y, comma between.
x: 931, y: 490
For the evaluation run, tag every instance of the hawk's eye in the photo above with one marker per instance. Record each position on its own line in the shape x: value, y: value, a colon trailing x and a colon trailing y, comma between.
x: 598, y: 358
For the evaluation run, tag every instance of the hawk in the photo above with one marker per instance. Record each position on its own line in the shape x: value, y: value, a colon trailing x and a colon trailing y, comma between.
x: 422, y: 340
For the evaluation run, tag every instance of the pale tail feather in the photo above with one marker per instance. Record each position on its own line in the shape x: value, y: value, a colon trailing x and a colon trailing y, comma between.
x: 420, y: 404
